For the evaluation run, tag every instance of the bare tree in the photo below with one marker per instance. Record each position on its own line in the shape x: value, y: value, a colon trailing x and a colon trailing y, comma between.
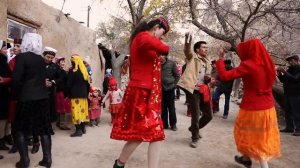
x: 233, y: 21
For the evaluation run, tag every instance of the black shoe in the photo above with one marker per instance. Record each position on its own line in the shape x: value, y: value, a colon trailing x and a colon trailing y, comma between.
x: 116, y: 165
x: 64, y: 127
x: 286, y: 130
x: 296, y: 134
x: 2, y: 145
x: 46, y: 148
x: 166, y: 127
x: 240, y: 160
x: 78, y: 132
x: 35, y: 148
x: 174, y: 128
x: 82, y: 126
x: 45, y: 163
x: 8, y: 139
x: 21, y: 164
x: 13, y: 149
x: 1, y: 157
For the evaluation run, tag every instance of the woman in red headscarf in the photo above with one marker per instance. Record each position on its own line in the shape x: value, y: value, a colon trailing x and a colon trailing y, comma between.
x: 139, y: 119
x: 256, y: 131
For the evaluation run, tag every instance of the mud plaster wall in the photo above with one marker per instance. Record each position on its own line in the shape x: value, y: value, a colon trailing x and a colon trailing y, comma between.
x: 3, y: 17
x: 67, y: 36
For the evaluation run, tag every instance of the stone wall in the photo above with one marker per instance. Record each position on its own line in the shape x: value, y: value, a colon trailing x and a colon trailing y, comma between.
x: 3, y: 17
x: 66, y: 35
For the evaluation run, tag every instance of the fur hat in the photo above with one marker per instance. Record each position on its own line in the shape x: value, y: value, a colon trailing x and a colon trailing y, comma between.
x: 294, y: 57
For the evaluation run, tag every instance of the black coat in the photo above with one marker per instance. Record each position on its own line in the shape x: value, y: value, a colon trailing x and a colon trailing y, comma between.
x: 291, y: 80
x: 4, y: 88
x: 53, y: 73
x: 28, y: 79
x: 61, y: 87
x: 77, y: 86
x: 224, y: 86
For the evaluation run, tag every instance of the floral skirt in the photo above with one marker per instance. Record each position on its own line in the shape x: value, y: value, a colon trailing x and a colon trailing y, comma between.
x: 94, y: 113
x: 80, y: 110
x: 136, y: 120
x: 114, y: 108
x: 256, y: 134
x: 63, y: 105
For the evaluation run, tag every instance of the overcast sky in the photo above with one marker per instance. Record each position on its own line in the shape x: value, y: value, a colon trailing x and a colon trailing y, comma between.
x: 100, y: 12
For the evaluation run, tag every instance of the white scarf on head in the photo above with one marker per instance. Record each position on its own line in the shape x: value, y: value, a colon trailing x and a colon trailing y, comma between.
x: 1, y: 44
x: 32, y: 42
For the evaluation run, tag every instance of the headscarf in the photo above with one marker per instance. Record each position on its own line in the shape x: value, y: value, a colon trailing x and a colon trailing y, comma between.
x: 78, y: 64
x: 32, y: 42
x: 58, y: 59
x: 255, y: 51
x: 2, y: 44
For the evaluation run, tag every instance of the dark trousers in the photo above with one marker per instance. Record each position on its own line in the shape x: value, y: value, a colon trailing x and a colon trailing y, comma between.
x: 168, y: 108
x: 177, y: 90
x: 198, y: 105
x: 292, y: 112
x: 216, y: 97
x: 52, y: 106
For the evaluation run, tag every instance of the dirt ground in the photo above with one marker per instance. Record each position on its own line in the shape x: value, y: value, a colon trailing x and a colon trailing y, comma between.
x: 216, y: 148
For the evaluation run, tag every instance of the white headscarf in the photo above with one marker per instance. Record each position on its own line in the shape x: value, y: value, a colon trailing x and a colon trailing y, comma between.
x: 32, y: 42
x: 1, y: 44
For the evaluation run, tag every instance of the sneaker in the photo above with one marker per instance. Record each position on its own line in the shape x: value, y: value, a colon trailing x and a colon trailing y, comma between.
x: 287, y: 130
x: 240, y: 160
x: 194, y: 144
x: 225, y: 117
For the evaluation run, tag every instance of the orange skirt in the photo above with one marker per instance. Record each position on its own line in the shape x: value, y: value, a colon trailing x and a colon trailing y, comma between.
x: 256, y: 134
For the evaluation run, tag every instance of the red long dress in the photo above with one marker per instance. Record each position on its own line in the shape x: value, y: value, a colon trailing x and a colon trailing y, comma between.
x: 139, y: 118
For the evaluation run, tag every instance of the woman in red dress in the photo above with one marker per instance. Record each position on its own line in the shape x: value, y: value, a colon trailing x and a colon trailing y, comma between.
x: 139, y: 118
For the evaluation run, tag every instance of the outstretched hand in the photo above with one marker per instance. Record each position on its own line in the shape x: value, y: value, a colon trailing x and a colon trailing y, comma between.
x: 188, y: 38
x: 222, y: 53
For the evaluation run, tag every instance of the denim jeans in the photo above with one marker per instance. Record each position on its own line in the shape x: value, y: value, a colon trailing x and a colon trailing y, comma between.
x: 216, y: 97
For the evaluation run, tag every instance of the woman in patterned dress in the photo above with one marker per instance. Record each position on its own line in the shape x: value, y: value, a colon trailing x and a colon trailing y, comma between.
x: 139, y: 118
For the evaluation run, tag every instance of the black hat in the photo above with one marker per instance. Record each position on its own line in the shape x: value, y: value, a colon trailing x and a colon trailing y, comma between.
x: 227, y: 62
x: 294, y: 57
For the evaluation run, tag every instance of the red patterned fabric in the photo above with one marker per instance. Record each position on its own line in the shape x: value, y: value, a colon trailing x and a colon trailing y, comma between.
x: 63, y: 105
x: 94, y: 109
x: 204, y: 90
x: 137, y: 119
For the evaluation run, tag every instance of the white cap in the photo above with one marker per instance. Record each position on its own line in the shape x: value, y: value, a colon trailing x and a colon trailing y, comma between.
x: 50, y: 49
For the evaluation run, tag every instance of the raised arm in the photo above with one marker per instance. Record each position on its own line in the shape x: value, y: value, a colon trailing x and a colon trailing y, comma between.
x: 149, y: 42
x: 240, y: 71
x: 187, y: 46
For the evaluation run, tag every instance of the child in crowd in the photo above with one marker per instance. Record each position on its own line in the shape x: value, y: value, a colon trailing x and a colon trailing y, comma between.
x: 115, y: 98
x: 94, y: 108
